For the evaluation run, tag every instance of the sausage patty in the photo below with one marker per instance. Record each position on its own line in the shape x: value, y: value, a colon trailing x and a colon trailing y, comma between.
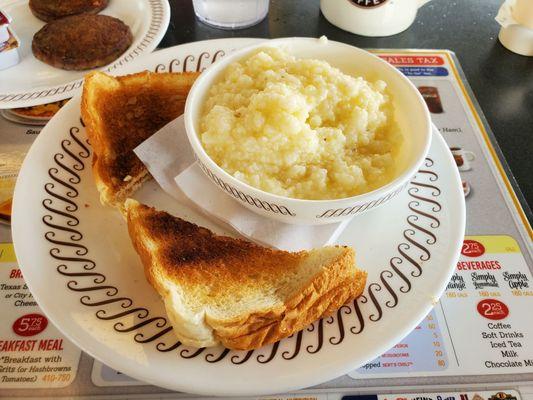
x: 49, y: 10
x: 81, y: 41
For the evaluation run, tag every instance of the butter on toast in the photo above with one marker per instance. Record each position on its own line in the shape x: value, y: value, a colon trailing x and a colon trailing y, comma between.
x: 217, y: 289
x: 119, y: 114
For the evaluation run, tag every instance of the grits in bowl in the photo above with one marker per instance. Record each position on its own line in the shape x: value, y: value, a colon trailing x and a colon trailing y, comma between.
x: 300, y: 128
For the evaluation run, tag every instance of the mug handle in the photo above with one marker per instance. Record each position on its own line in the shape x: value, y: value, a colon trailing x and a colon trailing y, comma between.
x: 422, y: 2
x: 470, y: 156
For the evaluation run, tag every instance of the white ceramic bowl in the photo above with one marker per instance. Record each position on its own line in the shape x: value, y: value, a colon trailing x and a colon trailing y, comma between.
x: 411, y: 114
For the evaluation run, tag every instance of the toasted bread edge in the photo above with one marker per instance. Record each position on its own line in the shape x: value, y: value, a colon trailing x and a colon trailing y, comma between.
x: 186, y: 333
x: 96, y: 83
x: 323, y: 296
x: 340, y: 282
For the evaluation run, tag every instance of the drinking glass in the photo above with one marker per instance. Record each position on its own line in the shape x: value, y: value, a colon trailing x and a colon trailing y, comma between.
x: 230, y: 14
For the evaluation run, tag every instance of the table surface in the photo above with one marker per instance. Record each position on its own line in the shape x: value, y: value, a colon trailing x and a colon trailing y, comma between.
x: 501, y: 80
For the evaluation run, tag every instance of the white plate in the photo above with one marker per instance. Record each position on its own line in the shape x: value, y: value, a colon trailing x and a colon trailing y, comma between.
x: 81, y: 267
x: 33, y: 82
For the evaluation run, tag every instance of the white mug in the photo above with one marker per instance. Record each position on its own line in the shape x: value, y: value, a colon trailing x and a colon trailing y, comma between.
x: 462, y: 158
x: 371, y: 17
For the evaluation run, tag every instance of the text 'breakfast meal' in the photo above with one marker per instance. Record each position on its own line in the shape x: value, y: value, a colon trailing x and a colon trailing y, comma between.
x: 300, y: 128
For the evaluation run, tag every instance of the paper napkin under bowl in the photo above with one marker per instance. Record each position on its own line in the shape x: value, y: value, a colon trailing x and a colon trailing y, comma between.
x: 169, y: 158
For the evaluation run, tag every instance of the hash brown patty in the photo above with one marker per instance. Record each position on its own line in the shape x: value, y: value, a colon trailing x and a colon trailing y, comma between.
x: 49, y: 10
x: 81, y: 41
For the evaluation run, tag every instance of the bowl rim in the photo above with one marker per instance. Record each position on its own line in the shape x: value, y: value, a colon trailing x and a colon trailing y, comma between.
x: 199, y: 150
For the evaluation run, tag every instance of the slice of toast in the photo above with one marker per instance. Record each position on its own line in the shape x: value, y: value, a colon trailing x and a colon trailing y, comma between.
x: 119, y: 114
x: 217, y: 289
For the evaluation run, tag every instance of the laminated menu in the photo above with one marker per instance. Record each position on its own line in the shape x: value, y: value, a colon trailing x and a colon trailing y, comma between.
x: 492, y: 291
x: 33, y: 353
x: 480, y: 333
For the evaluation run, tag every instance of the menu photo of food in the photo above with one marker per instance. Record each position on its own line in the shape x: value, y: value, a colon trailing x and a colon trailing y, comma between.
x: 467, y: 188
x: 36, y: 115
x: 10, y: 164
x: 11, y: 161
x: 9, y: 43
x: 432, y: 98
x: 463, y: 159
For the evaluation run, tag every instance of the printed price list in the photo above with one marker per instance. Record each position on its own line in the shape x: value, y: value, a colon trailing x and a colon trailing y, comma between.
x: 478, y: 327
x: 33, y: 354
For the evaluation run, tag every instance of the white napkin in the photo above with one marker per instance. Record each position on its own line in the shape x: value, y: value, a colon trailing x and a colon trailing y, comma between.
x: 169, y: 158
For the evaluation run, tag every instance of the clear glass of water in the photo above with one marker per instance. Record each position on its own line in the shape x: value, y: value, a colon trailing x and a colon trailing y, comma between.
x: 231, y: 14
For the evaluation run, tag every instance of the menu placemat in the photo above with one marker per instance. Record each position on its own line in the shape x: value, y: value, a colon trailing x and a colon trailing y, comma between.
x: 479, y: 336
x: 480, y: 325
